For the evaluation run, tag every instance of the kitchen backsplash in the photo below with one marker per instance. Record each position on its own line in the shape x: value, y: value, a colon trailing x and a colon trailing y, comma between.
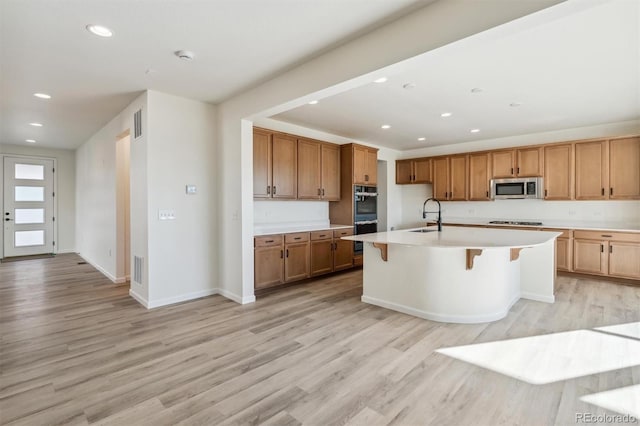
x: 598, y: 211
x: 273, y: 212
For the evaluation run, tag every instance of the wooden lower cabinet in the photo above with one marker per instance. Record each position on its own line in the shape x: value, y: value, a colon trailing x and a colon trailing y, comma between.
x: 616, y: 254
x: 624, y: 259
x: 564, y: 252
x: 296, y: 262
x: 321, y: 257
x: 342, y: 255
x: 589, y: 256
x: 268, y: 261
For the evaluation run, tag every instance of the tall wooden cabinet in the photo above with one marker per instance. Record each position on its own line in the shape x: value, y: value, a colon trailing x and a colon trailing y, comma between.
x: 558, y: 172
x: 450, y: 177
x: 365, y: 165
x: 274, y: 165
x: 318, y: 170
x: 592, y: 174
x: 479, y: 177
x: 624, y: 169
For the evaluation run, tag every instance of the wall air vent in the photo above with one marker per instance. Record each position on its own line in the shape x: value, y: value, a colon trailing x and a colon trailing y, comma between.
x: 137, y: 124
x: 138, y: 264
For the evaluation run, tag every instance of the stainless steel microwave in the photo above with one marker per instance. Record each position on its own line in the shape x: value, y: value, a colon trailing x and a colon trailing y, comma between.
x: 516, y: 188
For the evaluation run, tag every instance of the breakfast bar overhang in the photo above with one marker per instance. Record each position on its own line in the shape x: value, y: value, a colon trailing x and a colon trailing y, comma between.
x: 459, y: 275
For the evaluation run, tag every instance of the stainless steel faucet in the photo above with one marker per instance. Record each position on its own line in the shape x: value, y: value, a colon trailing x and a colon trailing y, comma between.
x: 425, y: 212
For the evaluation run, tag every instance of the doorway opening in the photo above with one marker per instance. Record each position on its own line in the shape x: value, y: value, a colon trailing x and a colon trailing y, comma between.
x: 123, y: 208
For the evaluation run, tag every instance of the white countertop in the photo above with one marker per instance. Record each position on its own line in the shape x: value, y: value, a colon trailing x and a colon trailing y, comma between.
x: 295, y: 227
x: 458, y: 237
x: 560, y: 224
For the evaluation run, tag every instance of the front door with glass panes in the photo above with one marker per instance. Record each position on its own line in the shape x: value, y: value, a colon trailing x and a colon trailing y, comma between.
x: 28, y: 215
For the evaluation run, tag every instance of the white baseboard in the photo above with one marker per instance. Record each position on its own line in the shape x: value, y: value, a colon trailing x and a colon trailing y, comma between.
x: 100, y: 268
x: 65, y: 251
x: 181, y: 298
x: 462, y: 319
x: 538, y: 297
x: 141, y: 300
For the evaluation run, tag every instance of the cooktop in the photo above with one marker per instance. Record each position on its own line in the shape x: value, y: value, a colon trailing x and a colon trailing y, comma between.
x: 514, y: 222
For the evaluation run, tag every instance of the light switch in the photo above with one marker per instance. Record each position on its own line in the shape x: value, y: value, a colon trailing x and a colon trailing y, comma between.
x: 166, y: 215
x: 191, y: 189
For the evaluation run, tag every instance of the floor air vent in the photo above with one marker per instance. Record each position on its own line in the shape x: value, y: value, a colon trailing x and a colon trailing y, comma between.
x: 138, y: 263
x: 137, y: 124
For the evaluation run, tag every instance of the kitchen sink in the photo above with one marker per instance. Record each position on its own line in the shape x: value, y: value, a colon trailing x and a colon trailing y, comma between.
x: 424, y: 230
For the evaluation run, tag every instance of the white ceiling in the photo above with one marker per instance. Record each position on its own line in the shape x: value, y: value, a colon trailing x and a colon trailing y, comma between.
x: 574, y: 70
x: 44, y: 47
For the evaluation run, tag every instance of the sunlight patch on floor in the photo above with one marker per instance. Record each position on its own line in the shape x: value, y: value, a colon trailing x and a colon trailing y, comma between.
x: 552, y: 357
x: 623, y: 400
x: 631, y: 329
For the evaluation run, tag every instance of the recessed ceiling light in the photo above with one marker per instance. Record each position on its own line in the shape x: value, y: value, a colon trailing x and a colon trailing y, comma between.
x: 36, y: 124
x: 42, y: 95
x: 445, y: 114
x: 476, y: 90
x: 99, y: 30
x: 380, y: 80
x: 422, y: 139
x: 515, y: 104
x: 409, y: 86
x: 30, y: 140
x: 185, y: 55
x: 475, y: 130
x: 313, y: 103
x: 385, y: 126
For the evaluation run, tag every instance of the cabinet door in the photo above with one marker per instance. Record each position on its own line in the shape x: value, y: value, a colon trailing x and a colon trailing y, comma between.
x: 296, y: 262
x: 563, y: 254
x: 589, y: 256
x: 371, y: 175
x: 529, y: 162
x: 624, y: 169
x: 422, y: 170
x: 503, y: 164
x: 342, y: 254
x: 624, y: 259
x: 284, y: 166
x: 479, y: 177
x: 459, y: 178
x: 404, y: 172
x: 321, y: 257
x: 591, y: 170
x: 309, y: 174
x: 441, y: 178
x: 268, y: 266
x: 261, y: 164
x: 359, y: 164
x: 330, y: 172
x: 558, y: 172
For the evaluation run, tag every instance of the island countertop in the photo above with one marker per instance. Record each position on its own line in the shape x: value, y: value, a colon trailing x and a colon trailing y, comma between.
x: 458, y: 237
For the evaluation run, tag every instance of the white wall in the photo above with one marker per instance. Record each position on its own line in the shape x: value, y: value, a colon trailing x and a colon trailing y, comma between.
x: 65, y: 191
x: 183, y: 260
x: 290, y: 212
x: 96, y: 231
x: 347, y: 66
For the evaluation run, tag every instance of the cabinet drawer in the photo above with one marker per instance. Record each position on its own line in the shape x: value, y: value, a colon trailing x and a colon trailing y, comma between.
x: 607, y: 236
x: 342, y: 232
x: 268, y: 241
x: 321, y: 235
x: 566, y: 233
x: 298, y: 237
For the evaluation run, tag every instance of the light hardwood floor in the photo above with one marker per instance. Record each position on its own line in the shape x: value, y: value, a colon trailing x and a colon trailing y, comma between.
x: 76, y: 349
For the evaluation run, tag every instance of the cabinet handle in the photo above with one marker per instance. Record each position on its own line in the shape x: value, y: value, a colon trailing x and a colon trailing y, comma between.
x: 602, y: 191
x: 269, y: 189
x: 606, y: 236
x: 287, y: 252
x: 601, y: 248
x: 518, y: 171
x: 322, y: 236
x: 366, y: 178
x: 610, y: 249
x: 274, y: 190
x: 487, y: 194
x: 545, y: 192
x: 610, y: 191
x: 512, y: 170
x: 269, y: 241
x: 281, y: 254
x: 297, y: 238
x: 318, y: 191
x: 323, y: 192
x: 335, y: 246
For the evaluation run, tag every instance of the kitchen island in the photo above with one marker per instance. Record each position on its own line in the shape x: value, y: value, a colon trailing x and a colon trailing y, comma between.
x: 459, y: 275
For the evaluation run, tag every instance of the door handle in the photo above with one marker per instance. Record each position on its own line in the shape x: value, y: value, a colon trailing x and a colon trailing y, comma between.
x: 7, y: 219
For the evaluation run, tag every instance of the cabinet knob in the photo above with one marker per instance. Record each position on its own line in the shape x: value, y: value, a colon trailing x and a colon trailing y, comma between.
x: 287, y: 252
x: 318, y: 191
x: 274, y: 190
x: 610, y: 191
x: 269, y: 189
x: 323, y: 192
x: 512, y: 170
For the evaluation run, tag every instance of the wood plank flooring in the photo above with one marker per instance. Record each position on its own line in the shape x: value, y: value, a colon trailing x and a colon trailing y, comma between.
x: 76, y: 349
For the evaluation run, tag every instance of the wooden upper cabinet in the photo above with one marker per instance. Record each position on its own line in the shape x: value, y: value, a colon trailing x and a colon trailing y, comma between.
x: 479, y: 176
x: 591, y: 162
x: 413, y: 171
x: 529, y: 162
x: 458, y: 178
x: 284, y: 166
x: 330, y: 171
x: 503, y: 164
x: 261, y: 164
x: 365, y: 165
x: 624, y: 169
x: 558, y: 172
x: 524, y: 162
x: 309, y: 169
x: 441, y: 178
